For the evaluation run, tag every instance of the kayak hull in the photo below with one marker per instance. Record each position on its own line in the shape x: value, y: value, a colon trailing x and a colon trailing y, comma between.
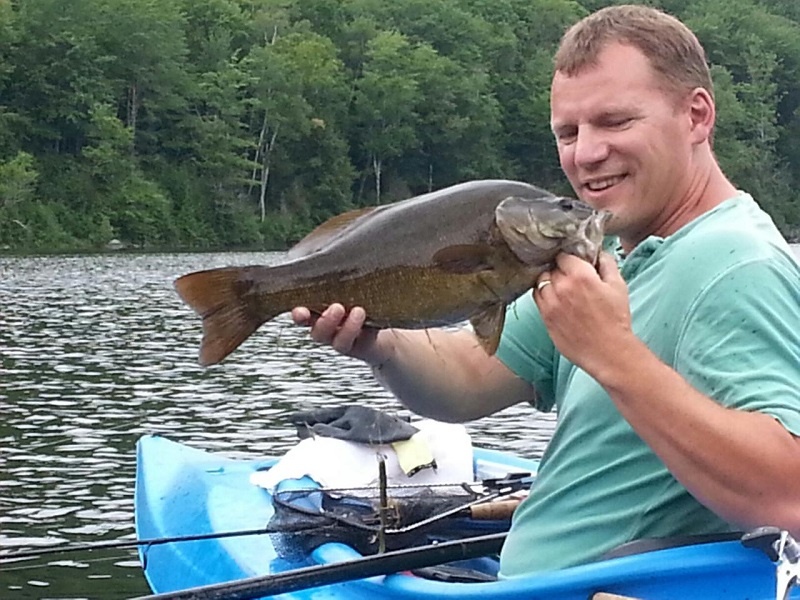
x: 182, y: 491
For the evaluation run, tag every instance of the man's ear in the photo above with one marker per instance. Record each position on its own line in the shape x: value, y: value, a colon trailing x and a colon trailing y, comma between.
x: 702, y: 114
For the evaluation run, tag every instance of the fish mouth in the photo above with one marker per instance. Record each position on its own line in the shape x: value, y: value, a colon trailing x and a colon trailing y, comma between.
x: 536, y: 231
x: 590, y: 241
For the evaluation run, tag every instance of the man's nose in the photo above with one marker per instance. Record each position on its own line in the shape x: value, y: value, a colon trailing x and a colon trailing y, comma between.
x: 591, y: 147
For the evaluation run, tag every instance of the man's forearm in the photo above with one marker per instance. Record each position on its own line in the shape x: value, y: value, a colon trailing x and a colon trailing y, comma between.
x: 745, y: 466
x: 446, y: 375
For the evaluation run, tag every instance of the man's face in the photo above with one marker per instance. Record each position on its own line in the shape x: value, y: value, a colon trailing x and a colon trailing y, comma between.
x: 624, y: 143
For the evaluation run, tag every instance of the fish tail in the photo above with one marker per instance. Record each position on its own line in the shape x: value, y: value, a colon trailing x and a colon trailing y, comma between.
x: 219, y: 296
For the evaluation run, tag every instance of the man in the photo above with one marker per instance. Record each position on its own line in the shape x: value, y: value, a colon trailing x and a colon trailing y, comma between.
x: 675, y: 373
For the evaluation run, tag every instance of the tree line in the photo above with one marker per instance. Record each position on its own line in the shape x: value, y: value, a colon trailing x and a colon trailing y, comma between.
x: 243, y: 123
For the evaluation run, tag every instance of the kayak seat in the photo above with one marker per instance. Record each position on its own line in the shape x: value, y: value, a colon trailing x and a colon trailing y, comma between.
x: 651, y: 544
x: 468, y: 571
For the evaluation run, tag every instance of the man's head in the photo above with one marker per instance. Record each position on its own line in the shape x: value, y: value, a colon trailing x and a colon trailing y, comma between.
x: 632, y: 111
x: 673, y: 50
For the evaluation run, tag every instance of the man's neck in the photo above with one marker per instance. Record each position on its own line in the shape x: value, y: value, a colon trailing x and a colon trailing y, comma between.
x: 706, y: 190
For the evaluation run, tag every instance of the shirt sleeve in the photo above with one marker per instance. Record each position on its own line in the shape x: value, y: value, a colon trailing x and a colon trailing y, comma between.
x: 526, y: 349
x: 740, y: 341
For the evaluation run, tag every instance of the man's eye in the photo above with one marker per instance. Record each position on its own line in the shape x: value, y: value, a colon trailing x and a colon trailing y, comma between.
x: 566, y: 137
x: 619, y: 122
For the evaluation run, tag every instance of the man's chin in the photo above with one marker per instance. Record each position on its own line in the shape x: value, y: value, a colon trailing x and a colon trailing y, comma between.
x: 612, y: 226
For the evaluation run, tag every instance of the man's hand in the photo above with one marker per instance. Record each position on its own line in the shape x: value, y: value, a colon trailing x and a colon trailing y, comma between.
x: 344, y: 332
x: 586, y: 311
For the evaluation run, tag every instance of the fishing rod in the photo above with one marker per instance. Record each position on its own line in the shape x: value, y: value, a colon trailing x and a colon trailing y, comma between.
x: 481, y: 508
x: 28, y: 566
x: 119, y: 544
x: 350, y: 570
x: 10, y: 557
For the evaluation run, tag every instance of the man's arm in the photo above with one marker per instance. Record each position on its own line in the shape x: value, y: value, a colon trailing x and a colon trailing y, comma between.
x: 443, y: 375
x: 745, y: 466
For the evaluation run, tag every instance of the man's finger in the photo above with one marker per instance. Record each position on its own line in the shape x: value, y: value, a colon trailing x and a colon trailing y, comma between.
x: 607, y: 268
x: 350, y: 329
x: 301, y: 315
x: 569, y: 263
x: 328, y: 324
x: 543, y: 281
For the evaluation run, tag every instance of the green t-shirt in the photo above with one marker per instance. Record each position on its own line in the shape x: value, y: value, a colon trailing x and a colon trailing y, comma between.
x: 719, y: 301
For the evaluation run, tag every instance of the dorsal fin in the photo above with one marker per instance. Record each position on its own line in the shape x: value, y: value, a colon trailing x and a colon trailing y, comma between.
x: 326, y: 232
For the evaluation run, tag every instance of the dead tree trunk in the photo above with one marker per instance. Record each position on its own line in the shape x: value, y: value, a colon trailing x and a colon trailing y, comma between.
x: 377, y: 167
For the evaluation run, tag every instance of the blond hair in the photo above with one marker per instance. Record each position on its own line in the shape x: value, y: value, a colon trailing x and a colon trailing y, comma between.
x: 672, y: 49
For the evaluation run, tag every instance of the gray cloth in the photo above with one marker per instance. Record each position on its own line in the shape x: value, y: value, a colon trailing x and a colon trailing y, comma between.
x: 353, y: 423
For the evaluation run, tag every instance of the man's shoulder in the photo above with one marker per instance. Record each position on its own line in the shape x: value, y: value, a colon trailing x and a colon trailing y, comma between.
x: 731, y: 257
x: 738, y: 259
x: 735, y: 233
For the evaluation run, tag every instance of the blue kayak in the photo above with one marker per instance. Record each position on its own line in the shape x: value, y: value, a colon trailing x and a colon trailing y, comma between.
x: 182, y: 491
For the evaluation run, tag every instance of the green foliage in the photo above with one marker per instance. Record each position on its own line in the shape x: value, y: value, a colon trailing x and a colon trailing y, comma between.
x: 17, y: 180
x: 231, y: 123
x: 757, y: 79
x: 25, y: 222
x: 17, y: 209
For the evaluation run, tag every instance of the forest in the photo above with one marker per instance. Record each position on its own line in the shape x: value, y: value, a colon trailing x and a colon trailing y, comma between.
x: 221, y: 124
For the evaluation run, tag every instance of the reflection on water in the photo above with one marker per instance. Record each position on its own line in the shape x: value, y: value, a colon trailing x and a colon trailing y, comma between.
x: 96, y: 351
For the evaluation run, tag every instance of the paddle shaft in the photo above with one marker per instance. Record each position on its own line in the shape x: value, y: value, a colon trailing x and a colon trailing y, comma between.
x: 359, y: 568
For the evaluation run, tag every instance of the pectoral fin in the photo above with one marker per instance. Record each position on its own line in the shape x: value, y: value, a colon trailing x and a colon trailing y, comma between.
x: 488, y: 326
x: 463, y: 259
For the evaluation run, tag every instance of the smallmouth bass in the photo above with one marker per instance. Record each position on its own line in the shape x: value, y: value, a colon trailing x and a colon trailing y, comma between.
x: 461, y: 253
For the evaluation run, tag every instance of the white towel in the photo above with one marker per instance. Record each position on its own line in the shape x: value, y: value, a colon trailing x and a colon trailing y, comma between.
x: 334, y: 463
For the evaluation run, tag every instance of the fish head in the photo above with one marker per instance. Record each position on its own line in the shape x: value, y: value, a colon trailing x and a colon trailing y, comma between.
x: 536, y: 229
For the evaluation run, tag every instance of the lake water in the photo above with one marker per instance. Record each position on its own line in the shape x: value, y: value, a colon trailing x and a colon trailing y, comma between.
x: 96, y: 351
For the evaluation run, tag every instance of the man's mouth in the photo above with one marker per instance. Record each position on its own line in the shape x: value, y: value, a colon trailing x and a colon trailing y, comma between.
x: 599, y: 185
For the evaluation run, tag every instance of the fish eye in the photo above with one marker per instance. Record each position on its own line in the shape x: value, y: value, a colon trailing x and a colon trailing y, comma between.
x: 566, y: 203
